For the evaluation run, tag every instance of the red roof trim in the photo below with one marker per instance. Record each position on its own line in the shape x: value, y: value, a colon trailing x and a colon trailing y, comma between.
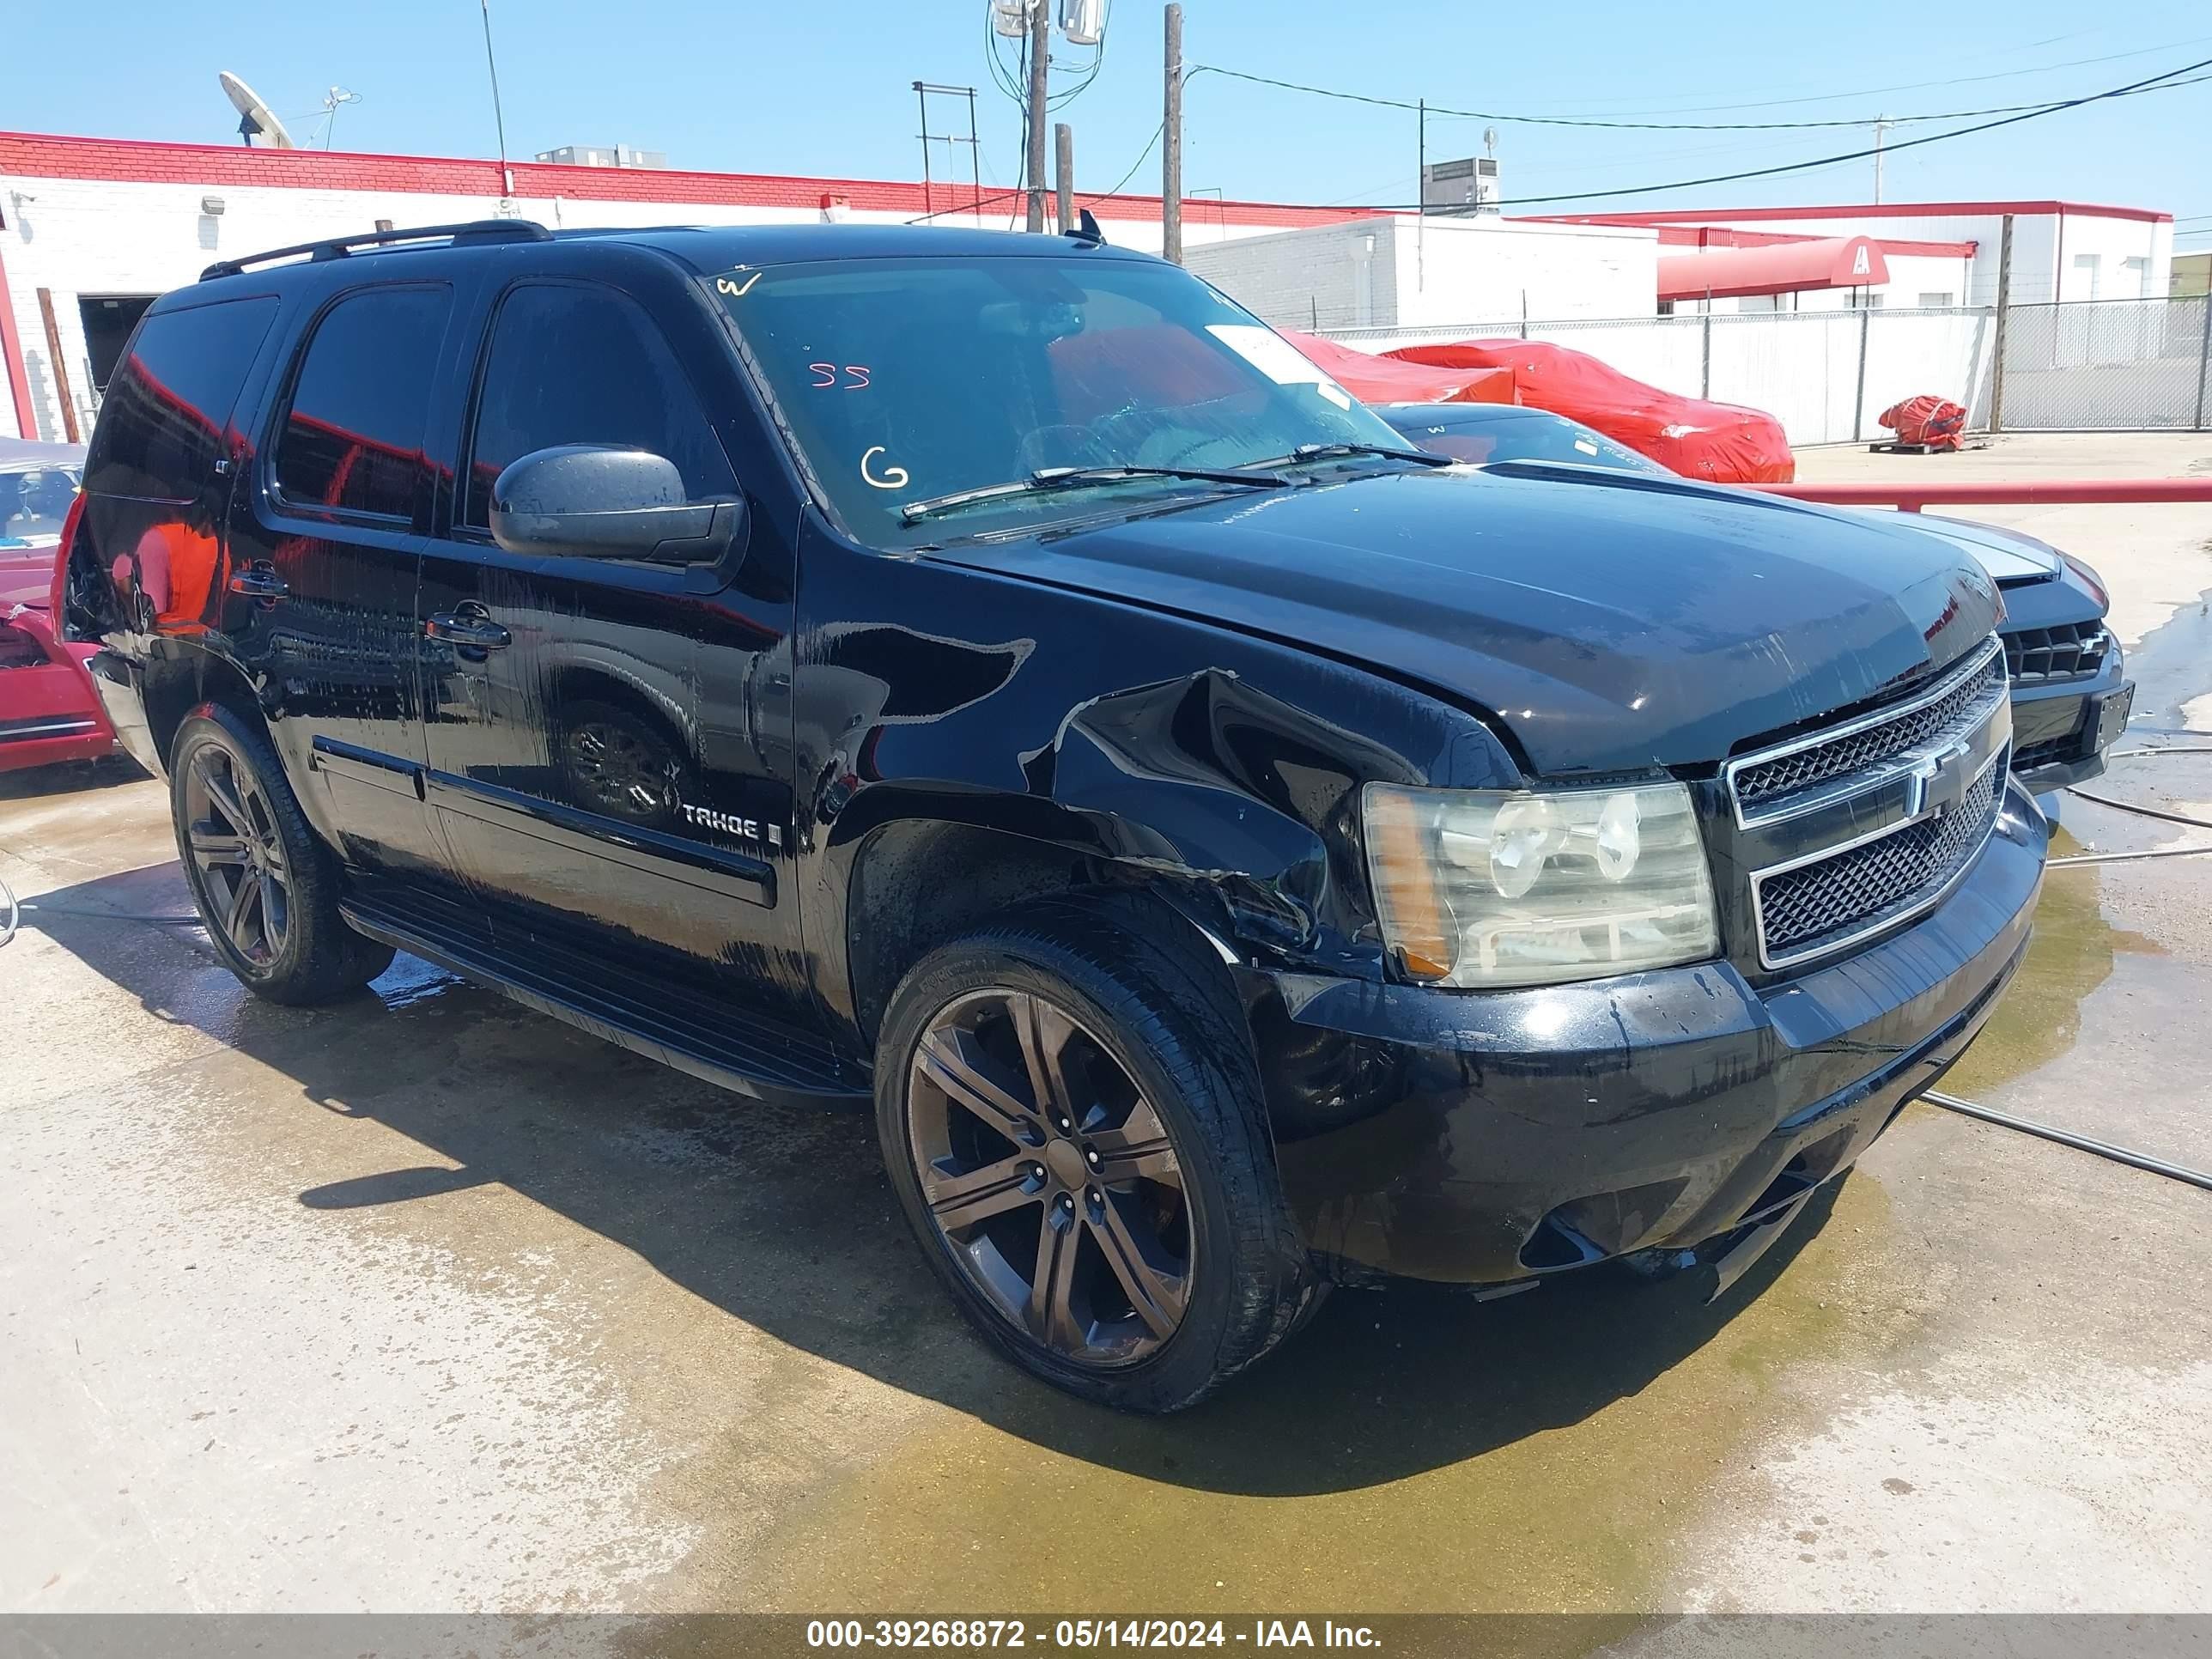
x: 1725, y: 236
x: 47, y: 155
x: 1868, y: 211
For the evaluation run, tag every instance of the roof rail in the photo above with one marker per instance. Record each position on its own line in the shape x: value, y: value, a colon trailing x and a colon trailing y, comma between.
x: 337, y: 247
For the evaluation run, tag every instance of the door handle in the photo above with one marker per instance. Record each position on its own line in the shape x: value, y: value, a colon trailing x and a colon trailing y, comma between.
x: 259, y: 581
x: 459, y: 628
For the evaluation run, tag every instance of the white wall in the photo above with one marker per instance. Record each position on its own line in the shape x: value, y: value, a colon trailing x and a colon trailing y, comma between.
x: 77, y: 236
x: 1450, y: 268
x: 1407, y: 272
x: 1341, y: 275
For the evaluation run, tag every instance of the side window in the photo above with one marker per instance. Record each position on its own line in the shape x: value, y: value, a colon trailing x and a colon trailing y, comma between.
x: 161, y: 423
x: 353, y: 438
x: 577, y: 365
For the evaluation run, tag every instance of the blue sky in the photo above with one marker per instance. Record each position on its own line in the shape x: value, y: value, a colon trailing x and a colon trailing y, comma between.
x: 825, y: 89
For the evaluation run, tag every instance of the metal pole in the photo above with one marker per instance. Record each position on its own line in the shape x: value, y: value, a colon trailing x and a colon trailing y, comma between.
x: 498, y: 116
x: 2004, y: 315
x: 1880, y: 127
x: 974, y: 155
x: 60, y: 368
x: 1421, y: 202
x: 1705, y: 374
x: 1171, y: 142
x: 1858, y: 401
x: 1063, y: 140
x: 929, y: 200
x: 1040, y: 64
x: 2203, y: 351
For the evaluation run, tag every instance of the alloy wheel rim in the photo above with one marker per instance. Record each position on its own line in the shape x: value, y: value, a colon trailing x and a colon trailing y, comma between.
x: 1051, y: 1177
x: 231, y: 833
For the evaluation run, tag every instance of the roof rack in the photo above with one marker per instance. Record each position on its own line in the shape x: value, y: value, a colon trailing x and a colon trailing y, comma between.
x: 337, y: 247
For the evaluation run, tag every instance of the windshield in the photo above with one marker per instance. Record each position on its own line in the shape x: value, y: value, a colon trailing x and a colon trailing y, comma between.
x: 907, y: 380
x: 34, y: 503
x: 1482, y: 438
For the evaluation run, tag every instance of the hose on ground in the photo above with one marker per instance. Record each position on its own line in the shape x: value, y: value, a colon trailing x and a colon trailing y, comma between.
x: 2028, y: 1125
x: 16, y: 908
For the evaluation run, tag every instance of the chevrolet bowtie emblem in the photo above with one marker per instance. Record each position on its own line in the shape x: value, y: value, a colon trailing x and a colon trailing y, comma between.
x: 1937, y: 782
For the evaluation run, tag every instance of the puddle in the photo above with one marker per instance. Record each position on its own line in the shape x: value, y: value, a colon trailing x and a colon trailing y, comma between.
x: 1411, y: 1451
x: 2072, y: 952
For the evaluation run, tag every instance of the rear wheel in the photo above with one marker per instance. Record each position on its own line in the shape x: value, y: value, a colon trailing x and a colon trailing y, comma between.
x: 1073, y: 1129
x: 265, y: 884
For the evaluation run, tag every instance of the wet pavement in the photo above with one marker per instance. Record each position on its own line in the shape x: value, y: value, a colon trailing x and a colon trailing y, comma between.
x: 426, y: 1302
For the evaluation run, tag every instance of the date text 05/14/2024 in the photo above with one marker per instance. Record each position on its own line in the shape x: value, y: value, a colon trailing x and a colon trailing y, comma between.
x: 1085, y: 1633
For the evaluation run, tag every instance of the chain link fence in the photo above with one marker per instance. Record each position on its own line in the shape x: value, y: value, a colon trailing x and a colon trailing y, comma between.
x: 2105, y: 365
x: 1825, y: 375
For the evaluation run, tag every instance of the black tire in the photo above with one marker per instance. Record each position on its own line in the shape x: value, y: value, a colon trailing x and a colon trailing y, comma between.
x: 1134, y: 995
x: 271, y: 912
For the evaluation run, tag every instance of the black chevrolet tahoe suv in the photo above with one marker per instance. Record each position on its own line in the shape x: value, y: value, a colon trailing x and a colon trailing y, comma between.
x: 997, y: 676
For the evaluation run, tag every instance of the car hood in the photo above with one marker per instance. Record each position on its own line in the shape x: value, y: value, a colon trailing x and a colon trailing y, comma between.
x: 2007, y: 555
x: 1609, y: 620
x: 27, y: 571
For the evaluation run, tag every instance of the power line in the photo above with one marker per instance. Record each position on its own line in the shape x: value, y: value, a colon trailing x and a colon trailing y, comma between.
x: 1141, y: 154
x: 1918, y: 86
x: 2161, y: 82
x: 1439, y: 111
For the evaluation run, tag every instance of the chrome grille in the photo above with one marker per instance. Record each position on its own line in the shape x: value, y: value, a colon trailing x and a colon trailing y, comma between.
x: 1818, y: 906
x: 1962, y: 702
x: 2067, y: 652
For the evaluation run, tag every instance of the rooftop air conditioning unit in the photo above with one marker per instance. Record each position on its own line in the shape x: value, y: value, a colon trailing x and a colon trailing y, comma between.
x: 1487, y: 193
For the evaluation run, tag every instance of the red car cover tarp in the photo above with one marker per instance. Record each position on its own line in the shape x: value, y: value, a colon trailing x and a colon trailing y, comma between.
x: 1927, y: 419
x: 1719, y: 442
x: 1374, y: 379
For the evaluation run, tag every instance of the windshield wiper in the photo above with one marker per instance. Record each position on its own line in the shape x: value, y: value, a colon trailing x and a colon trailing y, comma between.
x: 1305, y: 452
x: 1077, y: 477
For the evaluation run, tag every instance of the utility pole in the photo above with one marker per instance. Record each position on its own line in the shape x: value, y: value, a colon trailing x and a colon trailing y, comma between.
x: 1040, y: 62
x: 1421, y: 201
x: 1882, y: 123
x: 2004, y: 312
x: 1063, y: 139
x: 498, y: 115
x: 1171, y: 142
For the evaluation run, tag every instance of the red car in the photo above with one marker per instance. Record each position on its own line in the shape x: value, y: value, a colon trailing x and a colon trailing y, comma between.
x: 48, y: 710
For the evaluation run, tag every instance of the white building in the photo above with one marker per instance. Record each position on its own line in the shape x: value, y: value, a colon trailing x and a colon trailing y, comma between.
x: 92, y: 229
x: 2060, y: 250
x: 1404, y: 271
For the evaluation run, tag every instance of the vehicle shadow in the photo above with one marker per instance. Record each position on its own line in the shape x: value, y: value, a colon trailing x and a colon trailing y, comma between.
x: 782, y: 1217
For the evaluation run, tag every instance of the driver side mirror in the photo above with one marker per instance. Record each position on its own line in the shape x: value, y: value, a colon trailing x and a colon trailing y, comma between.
x: 598, y: 502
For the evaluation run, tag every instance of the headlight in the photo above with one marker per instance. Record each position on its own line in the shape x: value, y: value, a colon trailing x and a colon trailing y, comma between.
x: 1484, y: 888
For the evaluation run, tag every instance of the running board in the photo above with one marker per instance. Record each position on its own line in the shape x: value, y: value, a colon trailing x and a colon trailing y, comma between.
x: 710, y: 1038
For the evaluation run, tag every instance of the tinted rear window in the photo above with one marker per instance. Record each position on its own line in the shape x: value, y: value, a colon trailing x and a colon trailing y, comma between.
x: 353, y: 438
x: 162, y: 422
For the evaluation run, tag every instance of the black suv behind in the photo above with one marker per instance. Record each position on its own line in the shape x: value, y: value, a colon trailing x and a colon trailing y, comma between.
x: 995, y: 675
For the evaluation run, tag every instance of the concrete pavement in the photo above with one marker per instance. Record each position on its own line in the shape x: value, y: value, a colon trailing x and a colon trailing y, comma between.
x: 424, y: 1302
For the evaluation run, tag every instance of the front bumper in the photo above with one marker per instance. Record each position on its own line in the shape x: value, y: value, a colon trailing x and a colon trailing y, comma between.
x: 1484, y: 1137
x: 2059, y: 728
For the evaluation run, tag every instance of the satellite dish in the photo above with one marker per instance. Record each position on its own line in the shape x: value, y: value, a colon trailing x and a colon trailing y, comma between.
x: 256, y: 124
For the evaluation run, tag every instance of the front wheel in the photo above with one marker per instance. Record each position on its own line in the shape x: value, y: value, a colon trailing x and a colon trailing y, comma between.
x: 265, y: 885
x: 1072, y: 1125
